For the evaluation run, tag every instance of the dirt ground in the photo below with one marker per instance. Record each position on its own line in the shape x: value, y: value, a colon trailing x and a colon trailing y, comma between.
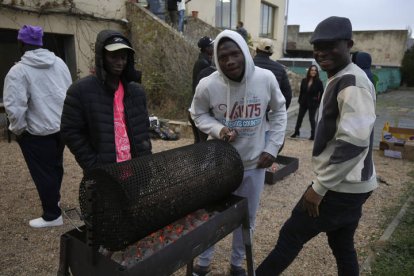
x: 28, y: 251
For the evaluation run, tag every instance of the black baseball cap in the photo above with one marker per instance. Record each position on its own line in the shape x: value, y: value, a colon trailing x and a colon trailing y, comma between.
x: 204, y: 42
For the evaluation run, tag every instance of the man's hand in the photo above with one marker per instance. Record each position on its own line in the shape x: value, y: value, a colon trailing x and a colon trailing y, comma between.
x: 228, y: 135
x: 311, y: 201
x: 265, y: 160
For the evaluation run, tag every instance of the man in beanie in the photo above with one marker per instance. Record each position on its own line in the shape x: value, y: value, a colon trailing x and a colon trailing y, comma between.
x: 34, y: 91
x: 342, y: 157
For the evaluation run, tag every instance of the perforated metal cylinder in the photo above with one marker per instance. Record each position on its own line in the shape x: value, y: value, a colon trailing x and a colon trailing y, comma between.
x: 122, y: 203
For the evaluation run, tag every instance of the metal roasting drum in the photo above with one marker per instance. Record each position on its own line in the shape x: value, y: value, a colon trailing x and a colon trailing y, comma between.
x: 124, y: 202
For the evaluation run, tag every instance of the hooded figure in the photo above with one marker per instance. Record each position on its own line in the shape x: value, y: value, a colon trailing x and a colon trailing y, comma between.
x: 105, y: 115
x: 363, y: 60
x: 231, y: 104
x: 221, y: 94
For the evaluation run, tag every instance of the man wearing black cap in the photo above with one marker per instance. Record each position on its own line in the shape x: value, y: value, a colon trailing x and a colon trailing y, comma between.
x: 342, y: 157
x: 204, y: 61
x: 105, y: 117
x: 204, y: 58
x: 34, y: 91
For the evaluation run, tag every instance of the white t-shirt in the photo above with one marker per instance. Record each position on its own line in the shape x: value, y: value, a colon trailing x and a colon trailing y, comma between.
x: 181, y: 5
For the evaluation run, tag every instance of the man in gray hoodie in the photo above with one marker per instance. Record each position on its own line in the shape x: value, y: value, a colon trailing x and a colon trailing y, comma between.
x: 230, y: 104
x: 34, y: 91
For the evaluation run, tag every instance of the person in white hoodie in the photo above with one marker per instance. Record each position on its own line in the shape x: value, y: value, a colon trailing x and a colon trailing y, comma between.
x: 33, y: 95
x: 230, y: 104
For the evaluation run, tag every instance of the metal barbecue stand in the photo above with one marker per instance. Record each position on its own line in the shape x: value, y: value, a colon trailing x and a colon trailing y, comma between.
x: 125, y: 202
x: 78, y: 258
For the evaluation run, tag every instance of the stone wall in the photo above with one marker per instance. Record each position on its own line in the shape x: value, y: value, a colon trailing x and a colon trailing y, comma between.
x: 386, y: 47
x: 166, y: 60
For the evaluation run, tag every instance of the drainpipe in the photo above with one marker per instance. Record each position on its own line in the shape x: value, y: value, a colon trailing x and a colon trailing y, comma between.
x: 285, y: 27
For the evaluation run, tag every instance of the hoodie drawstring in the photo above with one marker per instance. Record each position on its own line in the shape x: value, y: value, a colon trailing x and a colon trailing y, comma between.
x: 228, y: 103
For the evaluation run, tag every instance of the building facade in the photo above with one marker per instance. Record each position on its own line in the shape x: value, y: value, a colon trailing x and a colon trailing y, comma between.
x: 70, y: 29
x: 260, y: 18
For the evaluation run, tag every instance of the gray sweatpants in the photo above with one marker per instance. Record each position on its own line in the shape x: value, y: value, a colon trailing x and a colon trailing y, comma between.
x: 251, y: 188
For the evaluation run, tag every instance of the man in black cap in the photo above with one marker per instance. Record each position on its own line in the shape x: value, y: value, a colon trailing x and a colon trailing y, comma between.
x: 342, y: 157
x: 204, y: 61
x: 105, y: 116
x: 204, y: 58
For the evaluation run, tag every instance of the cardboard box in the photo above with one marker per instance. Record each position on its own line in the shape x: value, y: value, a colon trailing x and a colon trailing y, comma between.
x: 400, y: 149
x: 396, y: 134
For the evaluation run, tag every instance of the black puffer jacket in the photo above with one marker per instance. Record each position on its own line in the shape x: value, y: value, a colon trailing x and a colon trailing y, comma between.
x: 201, y: 63
x: 87, y: 124
x: 263, y: 60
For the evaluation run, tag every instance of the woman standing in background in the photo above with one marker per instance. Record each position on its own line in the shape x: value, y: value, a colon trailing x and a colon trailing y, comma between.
x: 311, y: 90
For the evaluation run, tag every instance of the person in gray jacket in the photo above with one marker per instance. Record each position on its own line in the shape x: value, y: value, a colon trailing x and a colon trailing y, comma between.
x: 34, y: 92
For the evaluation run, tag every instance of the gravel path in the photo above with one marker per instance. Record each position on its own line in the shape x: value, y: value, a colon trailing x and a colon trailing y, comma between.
x: 27, y: 251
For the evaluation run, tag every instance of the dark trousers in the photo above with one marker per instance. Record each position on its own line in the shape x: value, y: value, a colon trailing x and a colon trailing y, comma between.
x: 302, y: 111
x: 44, y: 158
x: 199, y: 136
x: 339, y: 214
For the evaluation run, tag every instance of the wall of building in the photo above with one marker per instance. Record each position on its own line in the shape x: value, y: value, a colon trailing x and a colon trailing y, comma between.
x: 114, y: 9
x: 386, y: 47
x: 82, y: 26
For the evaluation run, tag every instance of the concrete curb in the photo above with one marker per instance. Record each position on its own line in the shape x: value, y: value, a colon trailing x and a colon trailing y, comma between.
x: 366, y: 265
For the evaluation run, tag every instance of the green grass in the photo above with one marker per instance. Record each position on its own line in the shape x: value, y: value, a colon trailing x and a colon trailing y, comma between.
x: 397, y: 255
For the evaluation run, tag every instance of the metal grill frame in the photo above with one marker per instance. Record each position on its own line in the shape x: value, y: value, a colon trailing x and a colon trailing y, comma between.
x: 78, y: 258
x: 122, y: 203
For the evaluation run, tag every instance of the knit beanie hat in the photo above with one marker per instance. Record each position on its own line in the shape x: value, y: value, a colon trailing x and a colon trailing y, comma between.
x: 31, y: 35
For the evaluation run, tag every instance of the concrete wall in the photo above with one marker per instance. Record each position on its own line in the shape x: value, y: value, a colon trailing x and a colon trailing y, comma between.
x: 114, y: 9
x: 386, y: 47
x: 82, y: 25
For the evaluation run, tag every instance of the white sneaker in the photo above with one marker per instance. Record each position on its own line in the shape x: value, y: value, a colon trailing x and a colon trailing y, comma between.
x: 40, y: 222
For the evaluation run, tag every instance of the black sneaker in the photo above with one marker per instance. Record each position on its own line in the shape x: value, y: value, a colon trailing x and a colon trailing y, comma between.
x: 199, y: 270
x: 237, y: 271
x: 294, y: 134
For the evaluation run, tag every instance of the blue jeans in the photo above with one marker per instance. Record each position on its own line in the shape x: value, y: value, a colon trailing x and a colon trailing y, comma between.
x: 339, y: 214
x: 181, y: 21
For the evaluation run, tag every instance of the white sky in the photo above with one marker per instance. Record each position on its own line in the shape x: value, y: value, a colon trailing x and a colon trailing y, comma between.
x: 364, y: 14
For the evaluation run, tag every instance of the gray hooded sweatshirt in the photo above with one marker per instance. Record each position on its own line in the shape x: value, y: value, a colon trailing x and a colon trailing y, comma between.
x: 219, y: 102
x: 34, y: 92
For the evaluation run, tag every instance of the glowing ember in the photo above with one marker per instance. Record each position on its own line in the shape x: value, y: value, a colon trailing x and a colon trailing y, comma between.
x: 156, y: 241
